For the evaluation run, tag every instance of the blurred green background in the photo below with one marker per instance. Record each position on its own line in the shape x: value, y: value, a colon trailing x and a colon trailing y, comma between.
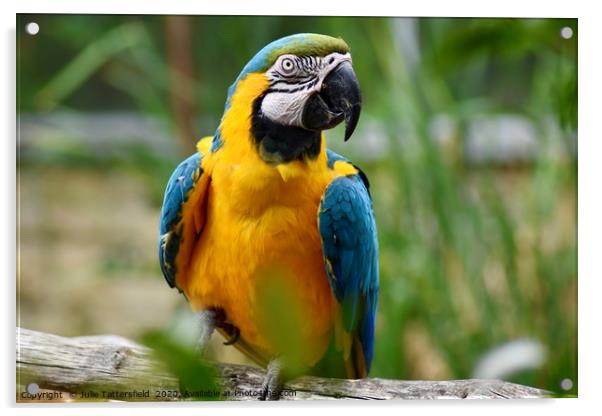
x: 468, y: 135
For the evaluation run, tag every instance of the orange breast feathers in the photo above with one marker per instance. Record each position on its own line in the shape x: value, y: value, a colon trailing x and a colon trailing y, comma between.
x: 261, y: 220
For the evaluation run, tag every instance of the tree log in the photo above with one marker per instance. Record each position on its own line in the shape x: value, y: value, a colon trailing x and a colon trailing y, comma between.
x: 114, y: 368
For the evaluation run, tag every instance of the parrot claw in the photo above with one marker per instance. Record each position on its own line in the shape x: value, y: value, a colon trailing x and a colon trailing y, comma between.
x: 234, y: 337
x: 272, y: 384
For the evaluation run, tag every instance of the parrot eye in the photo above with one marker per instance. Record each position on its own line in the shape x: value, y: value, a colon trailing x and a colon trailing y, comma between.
x: 287, y: 66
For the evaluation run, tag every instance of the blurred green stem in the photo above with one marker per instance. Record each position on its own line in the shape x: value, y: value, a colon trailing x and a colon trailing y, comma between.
x: 90, y: 59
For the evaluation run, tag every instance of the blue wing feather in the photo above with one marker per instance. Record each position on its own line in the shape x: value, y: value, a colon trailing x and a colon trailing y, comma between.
x: 350, y: 249
x: 179, y: 186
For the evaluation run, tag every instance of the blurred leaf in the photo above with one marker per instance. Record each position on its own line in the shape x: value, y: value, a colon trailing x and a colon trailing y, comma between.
x: 184, y: 363
x: 283, y: 321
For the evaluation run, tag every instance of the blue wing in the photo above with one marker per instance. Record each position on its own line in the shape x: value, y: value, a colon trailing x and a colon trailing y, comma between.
x: 182, y: 216
x: 350, y: 248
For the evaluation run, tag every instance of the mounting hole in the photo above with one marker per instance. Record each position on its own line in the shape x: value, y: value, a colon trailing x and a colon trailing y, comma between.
x: 32, y: 28
x: 32, y: 388
x: 566, y: 32
x: 566, y: 384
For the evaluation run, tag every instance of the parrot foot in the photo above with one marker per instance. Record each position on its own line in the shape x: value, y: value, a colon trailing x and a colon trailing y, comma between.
x: 272, y: 383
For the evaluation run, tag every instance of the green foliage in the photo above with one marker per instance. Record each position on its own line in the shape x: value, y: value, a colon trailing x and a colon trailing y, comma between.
x: 280, y: 317
x: 196, y: 379
x: 446, y: 224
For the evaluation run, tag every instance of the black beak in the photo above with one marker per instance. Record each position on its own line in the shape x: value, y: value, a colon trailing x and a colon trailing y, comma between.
x: 340, y: 99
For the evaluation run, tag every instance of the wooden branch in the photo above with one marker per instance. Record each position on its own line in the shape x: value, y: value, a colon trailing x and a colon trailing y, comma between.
x: 112, y: 367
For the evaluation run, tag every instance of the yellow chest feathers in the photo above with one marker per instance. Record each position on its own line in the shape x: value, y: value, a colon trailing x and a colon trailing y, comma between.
x: 259, y: 215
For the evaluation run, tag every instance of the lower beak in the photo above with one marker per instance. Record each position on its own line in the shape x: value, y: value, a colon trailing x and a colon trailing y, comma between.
x: 339, y: 99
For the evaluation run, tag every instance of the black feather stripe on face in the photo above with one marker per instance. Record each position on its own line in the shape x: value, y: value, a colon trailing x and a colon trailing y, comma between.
x: 302, y: 87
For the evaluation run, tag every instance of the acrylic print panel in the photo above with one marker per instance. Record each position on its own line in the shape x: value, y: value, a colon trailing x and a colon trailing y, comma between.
x: 167, y: 154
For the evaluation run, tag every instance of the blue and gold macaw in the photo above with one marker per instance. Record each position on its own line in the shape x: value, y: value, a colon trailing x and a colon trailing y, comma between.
x: 264, y: 192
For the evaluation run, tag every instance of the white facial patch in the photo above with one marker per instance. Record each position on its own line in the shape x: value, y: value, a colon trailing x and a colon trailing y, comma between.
x: 293, y: 79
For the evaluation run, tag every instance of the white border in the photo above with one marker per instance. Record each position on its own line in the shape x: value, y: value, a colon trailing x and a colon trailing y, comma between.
x: 590, y: 187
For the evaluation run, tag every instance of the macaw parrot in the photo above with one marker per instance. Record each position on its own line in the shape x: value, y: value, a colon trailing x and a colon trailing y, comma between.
x: 264, y: 191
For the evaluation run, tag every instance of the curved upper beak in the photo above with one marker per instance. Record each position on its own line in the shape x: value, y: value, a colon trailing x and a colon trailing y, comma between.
x: 339, y: 99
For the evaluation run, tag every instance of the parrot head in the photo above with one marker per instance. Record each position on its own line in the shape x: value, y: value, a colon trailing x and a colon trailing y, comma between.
x: 296, y: 87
